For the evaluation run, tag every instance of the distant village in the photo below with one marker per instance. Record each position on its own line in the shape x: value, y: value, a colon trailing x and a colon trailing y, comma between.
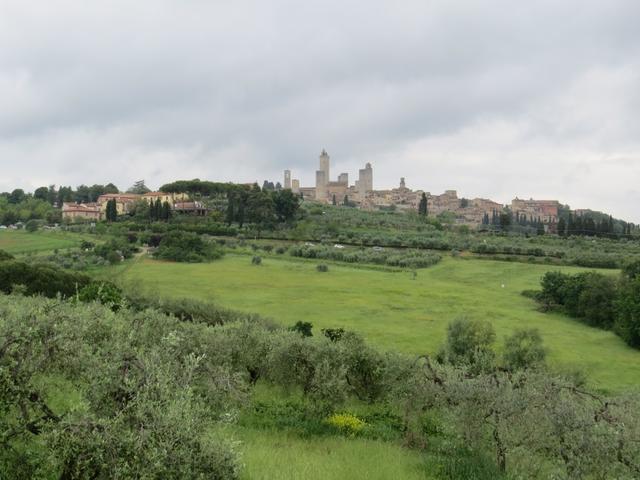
x: 473, y: 212
x: 361, y: 194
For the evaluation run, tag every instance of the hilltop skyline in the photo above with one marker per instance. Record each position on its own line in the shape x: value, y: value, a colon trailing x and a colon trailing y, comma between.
x: 476, y: 98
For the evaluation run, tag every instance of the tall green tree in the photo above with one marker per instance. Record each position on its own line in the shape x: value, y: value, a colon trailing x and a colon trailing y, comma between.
x: 286, y: 205
x: 111, y: 213
x: 166, y: 211
x: 423, y: 206
x: 139, y: 188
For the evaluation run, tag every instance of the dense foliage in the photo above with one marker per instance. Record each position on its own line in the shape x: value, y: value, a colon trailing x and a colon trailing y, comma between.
x: 37, y: 279
x: 144, y: 395
x: 186, y: 247
x: 599, y: 300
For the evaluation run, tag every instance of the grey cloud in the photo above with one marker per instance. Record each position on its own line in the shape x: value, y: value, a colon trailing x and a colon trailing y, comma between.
x: 476, y: 96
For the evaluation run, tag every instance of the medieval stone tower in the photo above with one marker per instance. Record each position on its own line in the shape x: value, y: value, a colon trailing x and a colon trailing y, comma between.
x: 322, y: 176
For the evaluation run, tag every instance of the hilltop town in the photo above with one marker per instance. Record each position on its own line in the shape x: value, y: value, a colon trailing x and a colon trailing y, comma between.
x: 473, y: 212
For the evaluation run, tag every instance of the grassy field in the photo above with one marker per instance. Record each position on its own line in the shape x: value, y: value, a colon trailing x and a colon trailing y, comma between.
x: 282, y: 456
x: 19, y: 241
x: 394, y: 310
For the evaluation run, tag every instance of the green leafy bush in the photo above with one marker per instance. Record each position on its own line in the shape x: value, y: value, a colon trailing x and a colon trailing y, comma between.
x: 189, y: 247
x: 37, y: 279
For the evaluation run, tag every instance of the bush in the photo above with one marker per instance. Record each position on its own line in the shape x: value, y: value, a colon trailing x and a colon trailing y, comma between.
x: 468, y: 342
x: 45, y: 280
x: 627, y: 304
x: 5, y: 256
x: 346, y: 423
x: 32, y: 225
x: 524, y: 349
x: 189, y: 247
x: 303, y: 328
x: 322, y: 268
x: 256, y: 260
x: 104, y: 292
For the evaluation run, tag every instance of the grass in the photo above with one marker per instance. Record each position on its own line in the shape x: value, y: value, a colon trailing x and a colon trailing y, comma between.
x: 395, y: 311
x: 20, y: 241
x: 284, y: 456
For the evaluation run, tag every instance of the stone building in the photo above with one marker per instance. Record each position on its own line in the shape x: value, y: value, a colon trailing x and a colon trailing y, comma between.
x: 532, y: 210
x: 87, y: 211
x: 124, y: 201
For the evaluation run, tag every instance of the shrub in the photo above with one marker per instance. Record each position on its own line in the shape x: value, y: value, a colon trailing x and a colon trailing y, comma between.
x: 5, y: 256
x: 524, y: 349
x: 189, y: 247
x: 303, y: 328
x: 468, y: 342
x: 346, y: 423
x: 32, y: 225
x: 44, y: 280
x: 322, y: 268
x: 256, y: 260
x: 104, y: 292
x: 333, y: 334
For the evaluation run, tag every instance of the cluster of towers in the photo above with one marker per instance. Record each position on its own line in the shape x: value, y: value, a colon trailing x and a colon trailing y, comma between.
x: 327, y: 190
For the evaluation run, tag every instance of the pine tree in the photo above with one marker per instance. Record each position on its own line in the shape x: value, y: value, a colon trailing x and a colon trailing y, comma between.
x: 334, y: 200
x: 346, y: 201
x: 562, y: 227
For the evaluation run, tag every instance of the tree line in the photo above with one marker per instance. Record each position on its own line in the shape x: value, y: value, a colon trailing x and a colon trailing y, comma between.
x: 261, y: 207
x: 599, y: 300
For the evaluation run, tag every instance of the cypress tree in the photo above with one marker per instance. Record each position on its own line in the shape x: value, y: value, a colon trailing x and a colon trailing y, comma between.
x: 610, y: 225
x: 422, y: 207
x: 562, y: 227
x: 166, y: 211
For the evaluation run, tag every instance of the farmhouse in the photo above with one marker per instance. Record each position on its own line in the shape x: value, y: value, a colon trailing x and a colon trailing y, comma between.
x: 89, y: 211
x: 124, y: 204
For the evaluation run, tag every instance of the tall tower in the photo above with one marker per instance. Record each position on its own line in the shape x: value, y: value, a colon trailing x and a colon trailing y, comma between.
x: 322, y: 176
x: 325, y: 164
x: 321, y: 185
x: 287, y: 179
x: 365, y: 183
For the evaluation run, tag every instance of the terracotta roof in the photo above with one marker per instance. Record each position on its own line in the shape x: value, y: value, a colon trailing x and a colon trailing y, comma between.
x: 156, y: 194
x: 119, y: 195
x: 80, y: 207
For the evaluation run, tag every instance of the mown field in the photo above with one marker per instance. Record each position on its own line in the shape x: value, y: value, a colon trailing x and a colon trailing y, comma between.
x: 394, y: 309
x: 17, y: 242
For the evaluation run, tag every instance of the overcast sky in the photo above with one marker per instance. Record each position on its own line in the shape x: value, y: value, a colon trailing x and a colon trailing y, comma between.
x: 492, y: 98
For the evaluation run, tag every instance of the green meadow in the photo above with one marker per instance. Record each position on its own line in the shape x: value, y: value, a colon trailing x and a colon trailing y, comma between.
x: 394, y: 309
x: 19, y: 241
x: 285, y: 456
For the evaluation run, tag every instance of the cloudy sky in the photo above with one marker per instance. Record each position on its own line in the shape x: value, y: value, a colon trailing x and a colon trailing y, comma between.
x: 492, y: 98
